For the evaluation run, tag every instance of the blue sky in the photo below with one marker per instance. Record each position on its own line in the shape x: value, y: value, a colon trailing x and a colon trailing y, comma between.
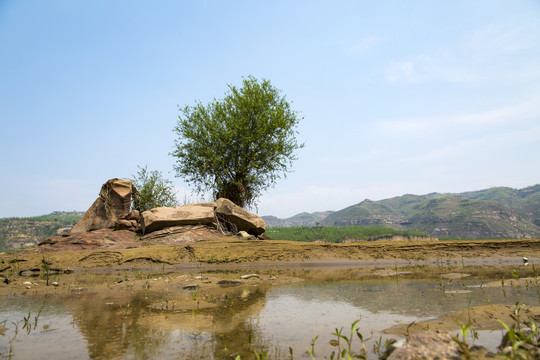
x: 397, y: 96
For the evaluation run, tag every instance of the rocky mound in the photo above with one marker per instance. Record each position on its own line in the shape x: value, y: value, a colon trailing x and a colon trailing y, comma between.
x: 109, y: 223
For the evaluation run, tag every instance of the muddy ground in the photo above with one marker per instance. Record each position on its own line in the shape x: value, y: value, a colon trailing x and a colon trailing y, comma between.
x: 220, y: 266
x: 234, y: 251
x: 424, y: 259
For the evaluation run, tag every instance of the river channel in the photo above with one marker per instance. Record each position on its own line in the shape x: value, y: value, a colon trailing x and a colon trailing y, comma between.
x: 148, y: 324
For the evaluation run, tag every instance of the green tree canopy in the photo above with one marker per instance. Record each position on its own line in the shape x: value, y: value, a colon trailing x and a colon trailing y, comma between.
x: 153, y: 190
x: 238, y: 146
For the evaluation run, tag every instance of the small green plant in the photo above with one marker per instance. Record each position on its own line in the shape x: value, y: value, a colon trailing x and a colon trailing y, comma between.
x: 469, y: 308
x: 461, y: 340
x: 519, y: 343
x: 345, y: 351
x: 126, y: 309
x: 260, y: 356
x: 535, y: 275
x: 195, y: 294
x: 312, y: 351
x: 378, y: 348
x: 15, y: 268
x: 45, y: 268
x: 442, y: 286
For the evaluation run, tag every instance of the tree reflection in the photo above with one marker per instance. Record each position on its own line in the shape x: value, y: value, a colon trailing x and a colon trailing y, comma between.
x: 127, y: 325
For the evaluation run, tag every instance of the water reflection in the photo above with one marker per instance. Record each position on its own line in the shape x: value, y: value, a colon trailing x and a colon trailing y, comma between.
x: 120, y: 325
x: 154, y: 324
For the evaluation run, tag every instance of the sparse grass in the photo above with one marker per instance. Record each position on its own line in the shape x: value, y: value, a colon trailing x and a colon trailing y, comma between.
x: 45, y: 269
x: 336, y: 234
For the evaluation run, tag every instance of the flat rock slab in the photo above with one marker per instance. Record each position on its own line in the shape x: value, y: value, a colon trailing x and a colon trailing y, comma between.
x: 105, y: 239
x: 181, y: 235
x: 162, y: 217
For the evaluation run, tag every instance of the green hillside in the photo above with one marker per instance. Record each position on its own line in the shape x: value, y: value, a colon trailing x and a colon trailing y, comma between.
x: 335, y: 234
x: 493, y: 213
x: 302, y: 219
x: 17, y: 233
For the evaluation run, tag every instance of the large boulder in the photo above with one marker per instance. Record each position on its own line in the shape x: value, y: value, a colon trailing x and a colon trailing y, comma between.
x: 162, y: 217
x: 227, y: 211
x: 113, y: 204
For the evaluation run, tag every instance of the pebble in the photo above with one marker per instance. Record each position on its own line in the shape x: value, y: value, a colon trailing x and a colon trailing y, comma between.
x: 54, y: 283
x: 249, y: 276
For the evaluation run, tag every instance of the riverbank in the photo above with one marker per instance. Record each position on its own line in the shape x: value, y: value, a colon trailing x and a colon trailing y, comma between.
x: 232, y: 250
x: 231, y: 253
x: 210, y: 275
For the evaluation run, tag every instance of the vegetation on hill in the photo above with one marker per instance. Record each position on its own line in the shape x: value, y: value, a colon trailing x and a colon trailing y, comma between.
x: 24, y: 232
x: 499, y: 212
x: 492, y: 213
x: 336, y: 234
x: 302, y: 219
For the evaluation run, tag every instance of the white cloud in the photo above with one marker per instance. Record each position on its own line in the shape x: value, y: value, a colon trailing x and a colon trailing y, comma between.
x: 461, y: 152
x: 364, y: 45
x: 442, y: 64
x: 511, y: 36
x: 404, y: 71
x: 489, y: 52
x: 423, y: 126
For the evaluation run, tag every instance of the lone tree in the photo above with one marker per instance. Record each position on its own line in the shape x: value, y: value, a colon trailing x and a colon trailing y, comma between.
x: 238, y: 146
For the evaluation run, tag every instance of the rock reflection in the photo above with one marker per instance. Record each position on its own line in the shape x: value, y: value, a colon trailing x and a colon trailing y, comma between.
x: 128, y: 324
x: 216, y: 321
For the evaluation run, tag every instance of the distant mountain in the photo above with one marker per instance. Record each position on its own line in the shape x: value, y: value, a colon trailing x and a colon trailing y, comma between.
x: 499, y: 212
x: 302, y: 219
x: 16, y: 233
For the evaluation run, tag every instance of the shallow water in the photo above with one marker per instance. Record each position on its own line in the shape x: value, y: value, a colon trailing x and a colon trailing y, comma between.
x: 128, y: 325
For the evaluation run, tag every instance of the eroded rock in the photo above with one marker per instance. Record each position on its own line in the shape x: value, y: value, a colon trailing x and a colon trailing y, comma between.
x: 113, y: 204
x: 162, y: 217
x: 242, y: 220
